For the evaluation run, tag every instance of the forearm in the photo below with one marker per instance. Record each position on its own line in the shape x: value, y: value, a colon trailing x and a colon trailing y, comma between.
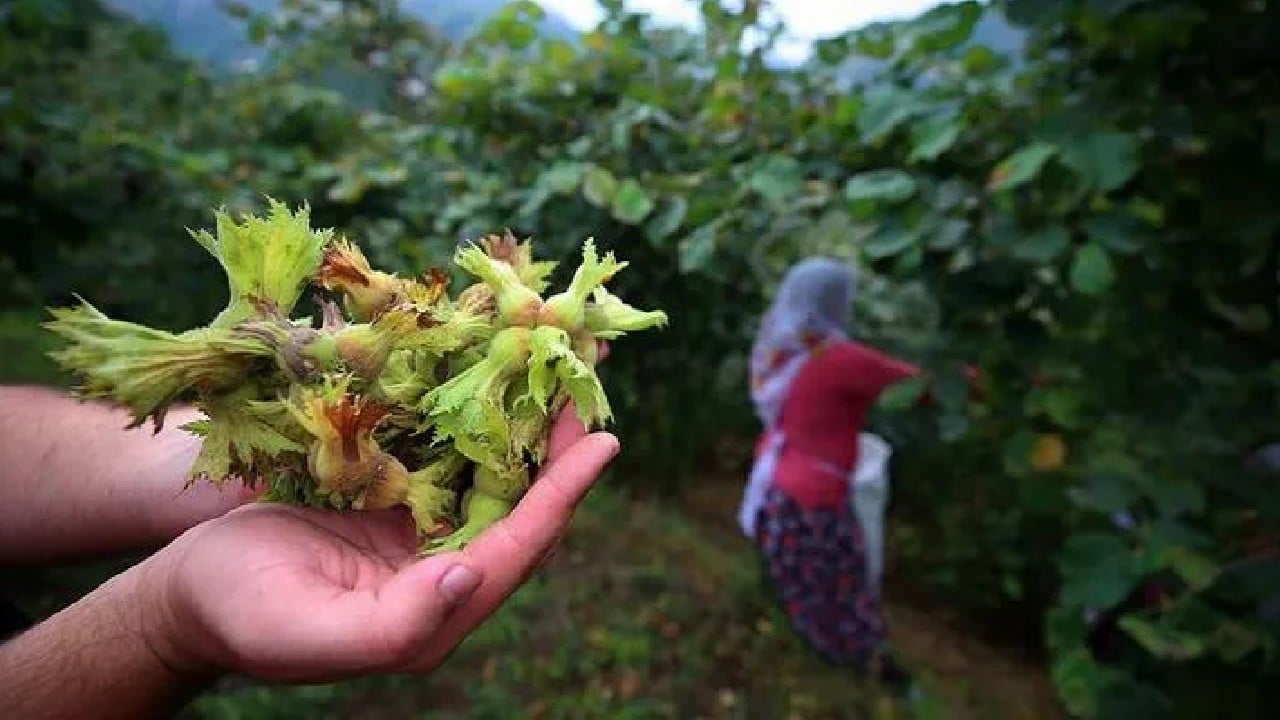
x: 74, y: 480
x: 97, y: 658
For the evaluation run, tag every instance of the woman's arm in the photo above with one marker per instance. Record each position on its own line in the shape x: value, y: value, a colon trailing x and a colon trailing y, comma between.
x: 867, y: 372
x: 74, y: 482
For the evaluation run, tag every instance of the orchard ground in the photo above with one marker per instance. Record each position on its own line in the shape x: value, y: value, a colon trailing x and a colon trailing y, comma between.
x: 649, y: 609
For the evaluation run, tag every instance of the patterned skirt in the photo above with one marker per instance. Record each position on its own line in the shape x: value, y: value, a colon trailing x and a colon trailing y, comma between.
x: 814, y: 560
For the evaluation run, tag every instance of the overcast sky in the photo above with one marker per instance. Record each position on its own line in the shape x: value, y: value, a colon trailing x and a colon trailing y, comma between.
x: 805, y: 19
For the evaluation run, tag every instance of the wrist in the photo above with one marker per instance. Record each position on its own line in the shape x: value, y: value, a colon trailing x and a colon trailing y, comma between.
x: 113, y: 653
x: 165, y: 625
x: 167, y: 503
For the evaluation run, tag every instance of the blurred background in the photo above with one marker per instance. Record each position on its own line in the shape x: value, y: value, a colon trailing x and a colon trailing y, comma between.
x: 1082, y: 198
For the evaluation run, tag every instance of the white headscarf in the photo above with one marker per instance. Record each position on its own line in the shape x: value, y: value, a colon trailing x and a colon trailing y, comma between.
x: 810, y: 311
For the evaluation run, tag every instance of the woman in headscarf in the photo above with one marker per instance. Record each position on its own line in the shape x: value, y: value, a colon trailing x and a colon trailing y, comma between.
x: 812, y: 388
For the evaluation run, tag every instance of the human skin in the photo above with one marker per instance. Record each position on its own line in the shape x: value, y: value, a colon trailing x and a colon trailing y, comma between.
x: 274, y: 592
x: 75, y: 484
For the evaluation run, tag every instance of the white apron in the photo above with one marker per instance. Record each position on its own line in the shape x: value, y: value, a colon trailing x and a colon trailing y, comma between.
x: 868, y: 495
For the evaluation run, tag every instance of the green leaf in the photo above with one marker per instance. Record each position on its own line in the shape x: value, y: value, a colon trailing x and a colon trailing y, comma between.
x: 980, y: 60
x: 948, y: 234
x: 1043, y: 245
x: 1119, y: 232
x: 237, y: 10
x: 1104, y: 492
x: 1039, y: 495
x: 1111, y: 9
x: 1016, y: 453
x: 952, y: 194
x: 513, y: 26
x: 1063, y: 406
x: 943, y: 27
x: 891, y: 239
x: 698, y: 249
x: 349, y: 189
x: 1091, y: 270
x: 1021, y: 167
x: 933, y: 137
x: 1065, y: 628
x: 533, y: 202
x: 951, y: 388
x: 778, y: 180
x: 599, y: 186
x: 875, y: 41
x: 1162, y: 642
x: 1168, y: 532
x: 886, y: 111
x: 903, y: 395
x: 235, y: 434
x: 847, y: 110
x: 1011, y: 585
x: 631, y: 204
x: 563, y: 178
x: 1177, y: 495
x: 259, y: 29
x: 952, y: 426
x: 1098, y: 571
x: 1105, y: 160
x: 664, y: 224
x: 883, y: 185
x: 1195, y: 569
x: 1234, y: 640
x: 1074, y: 676
x: 387, y: 176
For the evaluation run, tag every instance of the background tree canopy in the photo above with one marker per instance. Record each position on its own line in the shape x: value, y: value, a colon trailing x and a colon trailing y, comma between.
x: 1078, y: 197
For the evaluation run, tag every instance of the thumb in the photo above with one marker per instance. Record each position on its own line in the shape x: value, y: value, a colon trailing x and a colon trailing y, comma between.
x: 413, y: 605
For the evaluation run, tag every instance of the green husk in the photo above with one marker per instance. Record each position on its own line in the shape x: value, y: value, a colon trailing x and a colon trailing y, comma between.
x: 265, y: 258
x: 400, y: 394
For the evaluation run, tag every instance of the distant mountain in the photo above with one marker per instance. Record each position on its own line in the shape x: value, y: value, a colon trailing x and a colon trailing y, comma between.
x: 201, y: 29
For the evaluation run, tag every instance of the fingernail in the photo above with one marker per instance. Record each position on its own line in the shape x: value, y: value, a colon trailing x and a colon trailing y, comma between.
x: 458, y: 582
x: 615, y: 446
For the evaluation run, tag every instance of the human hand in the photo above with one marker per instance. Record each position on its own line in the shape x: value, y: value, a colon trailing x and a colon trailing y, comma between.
x: 289, y: 594
x: 76, y: 482
x: 151, y: 476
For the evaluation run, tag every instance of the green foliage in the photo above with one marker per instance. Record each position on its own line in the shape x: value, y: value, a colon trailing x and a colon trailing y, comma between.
x: 1118, y: 290
x: 1093, y: 223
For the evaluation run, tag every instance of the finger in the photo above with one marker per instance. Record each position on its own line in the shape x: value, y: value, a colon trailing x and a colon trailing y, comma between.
x: 565, y: 431
x: 516, y: 543
x: 549, y: 554
x: 545, y: 509
x: 512, y: 548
